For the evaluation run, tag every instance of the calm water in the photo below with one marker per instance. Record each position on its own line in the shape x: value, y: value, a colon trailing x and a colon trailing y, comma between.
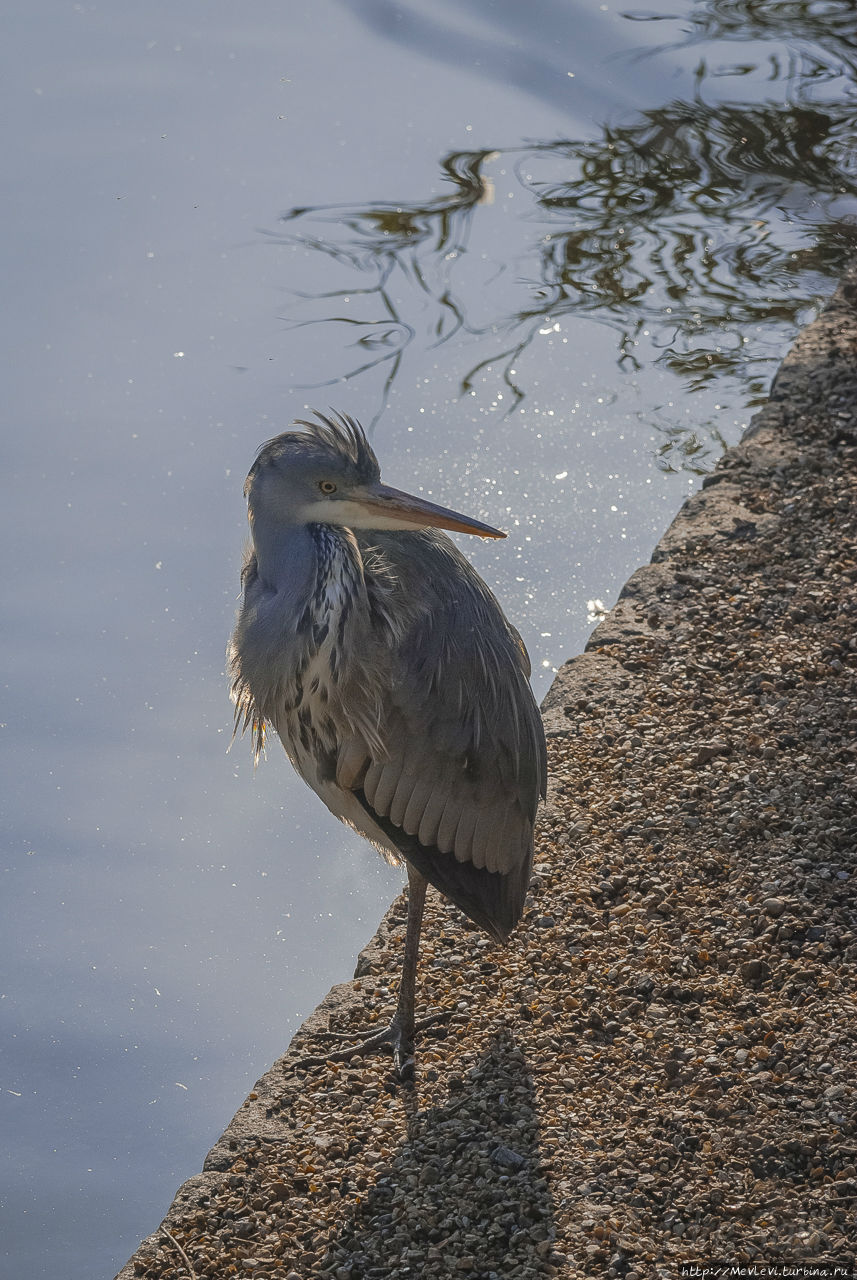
x: 551, y: 253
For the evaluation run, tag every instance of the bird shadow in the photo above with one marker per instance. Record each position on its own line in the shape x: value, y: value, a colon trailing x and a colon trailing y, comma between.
x: 466, y: 1187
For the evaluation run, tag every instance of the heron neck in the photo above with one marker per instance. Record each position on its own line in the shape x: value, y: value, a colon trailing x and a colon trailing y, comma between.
x: 285, y: 558
x: 314, y: 565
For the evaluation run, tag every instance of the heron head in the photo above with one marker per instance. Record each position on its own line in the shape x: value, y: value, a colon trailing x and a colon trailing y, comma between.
x: 328, y: 474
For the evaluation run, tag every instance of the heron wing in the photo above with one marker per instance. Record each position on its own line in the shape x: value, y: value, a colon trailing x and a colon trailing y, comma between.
x: 464, y: 762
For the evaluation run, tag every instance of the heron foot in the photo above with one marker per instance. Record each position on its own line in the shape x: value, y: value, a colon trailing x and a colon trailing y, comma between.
x: 400, y: 1039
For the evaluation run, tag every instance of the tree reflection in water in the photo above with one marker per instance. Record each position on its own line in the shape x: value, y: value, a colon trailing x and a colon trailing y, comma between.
x: 703, y: 232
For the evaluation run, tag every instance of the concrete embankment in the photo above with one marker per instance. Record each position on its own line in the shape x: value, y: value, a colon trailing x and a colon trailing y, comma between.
x: 662, y: 1066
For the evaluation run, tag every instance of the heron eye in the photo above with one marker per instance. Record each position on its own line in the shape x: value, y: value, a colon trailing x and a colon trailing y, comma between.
x: 327, y: 486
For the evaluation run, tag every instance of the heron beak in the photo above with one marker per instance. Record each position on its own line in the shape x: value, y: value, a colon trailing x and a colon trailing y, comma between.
x: 393, y: 509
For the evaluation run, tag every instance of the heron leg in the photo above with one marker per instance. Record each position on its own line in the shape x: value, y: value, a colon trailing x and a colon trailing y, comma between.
x: 403, y: 1024
x: 399, y: 1033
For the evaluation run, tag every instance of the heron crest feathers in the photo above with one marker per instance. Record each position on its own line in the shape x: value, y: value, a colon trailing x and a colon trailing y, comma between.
x: 345, y: 437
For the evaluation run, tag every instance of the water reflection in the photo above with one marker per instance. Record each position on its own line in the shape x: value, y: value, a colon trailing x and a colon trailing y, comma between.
x: 823, y: 25
x: 702, y: 231
x: 381, y: 239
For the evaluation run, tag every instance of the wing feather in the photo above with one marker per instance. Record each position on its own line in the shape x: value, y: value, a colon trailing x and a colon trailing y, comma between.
x: 373, y: 777
x: 483, y: 836
x: 464, y: 751
x: 352, y: 764
x: 489, y: 842
x: 430, y: 821
x: 399, y: 803
x: 464, y: 834
x: 448, y: 824
x: 386, y: 788
x: 416, y: 807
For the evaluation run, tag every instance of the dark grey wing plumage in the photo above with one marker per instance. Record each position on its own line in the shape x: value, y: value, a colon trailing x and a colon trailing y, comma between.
x: 464, y: 763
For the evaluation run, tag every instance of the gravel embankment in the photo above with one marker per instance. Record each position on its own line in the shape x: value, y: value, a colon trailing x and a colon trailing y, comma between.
x: 662, y: 1066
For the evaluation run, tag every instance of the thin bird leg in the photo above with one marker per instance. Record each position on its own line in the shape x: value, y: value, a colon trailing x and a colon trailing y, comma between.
x: 404, y: 1018
x: 400, y: 1031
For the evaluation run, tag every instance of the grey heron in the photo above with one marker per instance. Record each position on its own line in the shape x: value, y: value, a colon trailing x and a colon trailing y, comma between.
x: 396, y: 684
